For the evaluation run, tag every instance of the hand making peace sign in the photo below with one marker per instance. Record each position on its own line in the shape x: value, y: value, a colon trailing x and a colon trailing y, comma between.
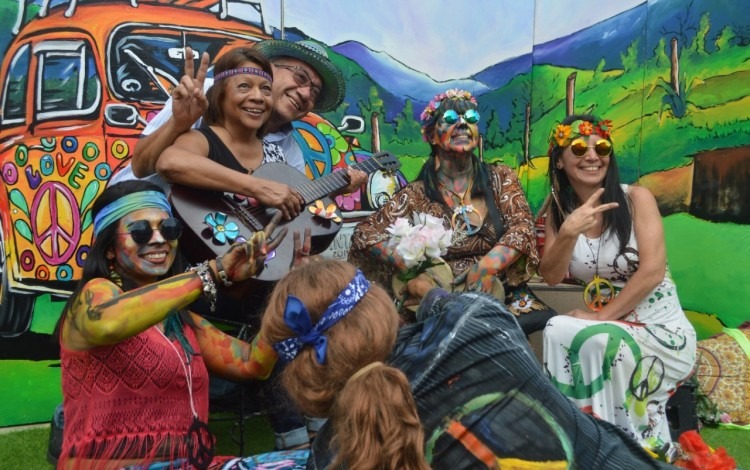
x: 188, y: 99
x: 585, y: 218
x: 244, y: 260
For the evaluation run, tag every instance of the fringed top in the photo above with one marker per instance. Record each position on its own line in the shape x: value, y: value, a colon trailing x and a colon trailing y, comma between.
x: 129, y: 403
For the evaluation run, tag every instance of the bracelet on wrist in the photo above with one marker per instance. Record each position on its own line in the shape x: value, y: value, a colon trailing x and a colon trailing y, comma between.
x: 221, y: 273
x: 203, y: 270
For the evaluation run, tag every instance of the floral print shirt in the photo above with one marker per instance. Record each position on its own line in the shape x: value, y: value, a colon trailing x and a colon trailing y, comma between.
x: 465, y: 251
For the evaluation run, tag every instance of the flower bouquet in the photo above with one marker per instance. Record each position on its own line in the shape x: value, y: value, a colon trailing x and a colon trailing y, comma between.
x: 420, y: 242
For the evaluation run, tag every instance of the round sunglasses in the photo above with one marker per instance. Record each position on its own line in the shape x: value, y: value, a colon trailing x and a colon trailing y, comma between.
x: 141, y: 230
x: 470, y: 115
x: 602, y: 147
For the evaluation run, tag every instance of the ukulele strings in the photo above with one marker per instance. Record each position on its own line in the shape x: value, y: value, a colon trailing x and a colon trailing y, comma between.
x: 308, y: 190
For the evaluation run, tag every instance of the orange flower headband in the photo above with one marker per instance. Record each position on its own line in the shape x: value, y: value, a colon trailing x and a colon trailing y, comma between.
x: 562, y: 135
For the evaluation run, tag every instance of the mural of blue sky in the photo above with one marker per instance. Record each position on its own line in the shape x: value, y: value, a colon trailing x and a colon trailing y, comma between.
x: 458, y: 32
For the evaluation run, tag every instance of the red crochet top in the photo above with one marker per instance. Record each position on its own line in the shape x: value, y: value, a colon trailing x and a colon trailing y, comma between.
x: 130, y: 401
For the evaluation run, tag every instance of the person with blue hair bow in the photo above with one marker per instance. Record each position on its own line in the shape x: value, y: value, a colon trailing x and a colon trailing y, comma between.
x: 459, y: 388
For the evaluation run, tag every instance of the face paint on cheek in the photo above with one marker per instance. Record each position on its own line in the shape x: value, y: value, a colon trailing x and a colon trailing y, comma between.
x: 126, y: 254
x: 455, y: 137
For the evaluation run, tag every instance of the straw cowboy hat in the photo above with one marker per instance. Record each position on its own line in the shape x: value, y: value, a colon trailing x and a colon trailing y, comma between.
x: 314, y: 55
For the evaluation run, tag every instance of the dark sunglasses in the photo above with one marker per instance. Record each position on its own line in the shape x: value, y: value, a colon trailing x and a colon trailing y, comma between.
x: 301, y: 78
x: 602, y: 147
x: 141, y: 231
x: 451, y: 117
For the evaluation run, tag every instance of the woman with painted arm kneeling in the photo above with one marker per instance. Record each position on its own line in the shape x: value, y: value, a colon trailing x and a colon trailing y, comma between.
x: 135, y: 362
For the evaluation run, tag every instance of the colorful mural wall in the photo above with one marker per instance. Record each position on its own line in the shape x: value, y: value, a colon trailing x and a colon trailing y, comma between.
x: 80, y: 79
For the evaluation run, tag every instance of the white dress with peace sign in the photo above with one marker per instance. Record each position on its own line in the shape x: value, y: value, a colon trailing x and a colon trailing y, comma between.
x: 621, y: 371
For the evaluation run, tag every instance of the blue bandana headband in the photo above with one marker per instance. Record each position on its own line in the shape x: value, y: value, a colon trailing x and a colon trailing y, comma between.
x: 243, y: 70
x: 129, y: 203
x: 297, y: 318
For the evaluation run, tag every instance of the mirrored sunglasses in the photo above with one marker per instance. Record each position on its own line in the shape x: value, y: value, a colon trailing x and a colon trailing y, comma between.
x: 602, y: 147
x: 141, y: 231
x: 301, y: 78
x: 471, y: 116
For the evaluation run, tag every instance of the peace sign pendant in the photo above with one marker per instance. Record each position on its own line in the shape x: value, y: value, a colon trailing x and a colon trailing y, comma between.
x: 461, y: 220
x: 598, y: 293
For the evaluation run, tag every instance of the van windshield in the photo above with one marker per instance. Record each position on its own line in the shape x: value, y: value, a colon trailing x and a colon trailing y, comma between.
x: 146, y: 63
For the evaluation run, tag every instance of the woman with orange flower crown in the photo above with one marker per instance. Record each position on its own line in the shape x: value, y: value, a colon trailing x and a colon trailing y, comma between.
x: 622, y: 357
x: 493, y: 242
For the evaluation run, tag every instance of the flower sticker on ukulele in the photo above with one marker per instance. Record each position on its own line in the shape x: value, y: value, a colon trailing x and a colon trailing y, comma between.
x: 320, y: 210
x: 221, y: 230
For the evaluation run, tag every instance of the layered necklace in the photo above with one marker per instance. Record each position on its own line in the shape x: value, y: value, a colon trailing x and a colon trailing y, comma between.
x: 600, y: 291
x: 462, y: 210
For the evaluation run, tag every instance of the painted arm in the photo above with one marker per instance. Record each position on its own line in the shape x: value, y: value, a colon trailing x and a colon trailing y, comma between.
x: 381, y: 251
x: 232, y: 358
x: 479, y: 276
x: 186, y: 162
x: 652, y: 265
x: 103, y: 314
x: 517, y: 241
x: 367, y: 236
x: 186, y: 105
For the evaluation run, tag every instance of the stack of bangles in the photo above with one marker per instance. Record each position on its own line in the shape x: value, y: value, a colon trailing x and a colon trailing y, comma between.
x: 203, y: 270
x: 206, y: 275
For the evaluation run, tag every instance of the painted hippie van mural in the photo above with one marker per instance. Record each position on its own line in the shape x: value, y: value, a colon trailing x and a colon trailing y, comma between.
x: 76, y: 98
x: 80, y: 79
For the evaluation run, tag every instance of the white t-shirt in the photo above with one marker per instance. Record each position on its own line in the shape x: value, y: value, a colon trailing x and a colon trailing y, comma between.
x: 283, y: 138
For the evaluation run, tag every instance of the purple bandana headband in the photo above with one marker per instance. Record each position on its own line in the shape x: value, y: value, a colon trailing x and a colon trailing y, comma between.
x: 297, y: 318
x: 243, y: 70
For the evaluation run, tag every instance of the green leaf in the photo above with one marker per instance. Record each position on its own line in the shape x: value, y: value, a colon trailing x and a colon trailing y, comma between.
x: 16, y: 197
x: 409, y: 274
x: 24, y: 230
x: 86, y: 220
x: 89, y: 194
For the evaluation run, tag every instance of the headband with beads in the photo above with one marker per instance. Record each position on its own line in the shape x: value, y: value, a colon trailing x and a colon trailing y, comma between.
x: 243, y: 70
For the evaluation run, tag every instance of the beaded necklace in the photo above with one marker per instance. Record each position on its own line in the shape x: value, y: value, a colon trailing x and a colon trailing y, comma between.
x: 461, y: 220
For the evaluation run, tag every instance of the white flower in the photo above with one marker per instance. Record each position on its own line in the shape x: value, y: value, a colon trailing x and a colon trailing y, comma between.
x: 433, y: 222
x: 399, y: 229
x: 426, y: 239
x: 412, y: 249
